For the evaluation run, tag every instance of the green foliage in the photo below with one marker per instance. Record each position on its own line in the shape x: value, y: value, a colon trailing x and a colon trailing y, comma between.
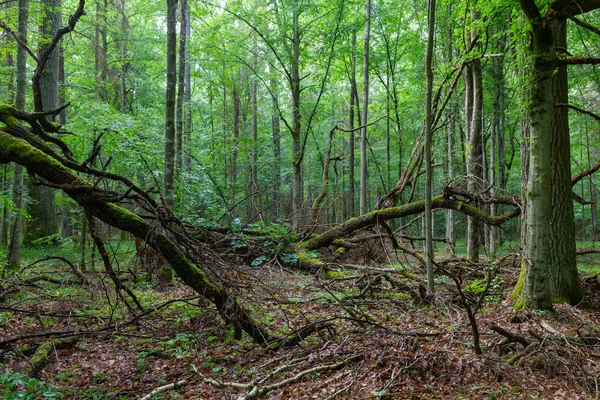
x: 15, y: 386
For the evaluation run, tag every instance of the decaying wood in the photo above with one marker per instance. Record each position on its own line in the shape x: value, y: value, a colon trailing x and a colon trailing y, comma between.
x: 165, y: 388
x: 19, y: 144
x: 258, y: 389
x: 510, y: 336
x: 44, y: 354
x: 373, y: 218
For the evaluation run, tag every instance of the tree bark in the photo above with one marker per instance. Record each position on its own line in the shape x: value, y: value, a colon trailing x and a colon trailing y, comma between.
x: 16, y: 227
x: 43, y: 210
x: 352, y: 133
x: 549, y: 272
x: 428, y: 153
x: 364, y: 197
x: 169, y: 158
x: 180, y: 90
x: 276, y: 131
x: 474, y: 145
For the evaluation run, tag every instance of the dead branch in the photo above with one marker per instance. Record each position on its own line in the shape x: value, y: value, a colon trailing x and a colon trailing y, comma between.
x: 579, y: 110
x: 109, y: 328
x: 255, y: 390
x: 585, y: 25
x: 385, y: 214
x: 43, y: 58
x: 74, y: 268
x: 578, y: 61
x: 165, y: 388
x: 511, y: 337
x: 585, y: 173
x: 119, y: 286
x: 588, y: 251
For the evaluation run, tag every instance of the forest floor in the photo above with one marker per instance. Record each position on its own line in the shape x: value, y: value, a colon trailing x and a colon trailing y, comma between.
x: 381, y: 344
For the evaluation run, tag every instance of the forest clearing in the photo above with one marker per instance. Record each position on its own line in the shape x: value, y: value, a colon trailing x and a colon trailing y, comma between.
x: 299, y: 199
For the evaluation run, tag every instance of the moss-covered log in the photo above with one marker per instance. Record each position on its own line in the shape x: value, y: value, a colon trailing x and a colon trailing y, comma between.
x: 93, y: 200
x: 44, y: 355
x: 374, y: 217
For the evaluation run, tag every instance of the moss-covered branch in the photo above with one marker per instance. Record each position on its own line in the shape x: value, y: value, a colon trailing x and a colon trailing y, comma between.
x: 372, y: 218
x: 93, y: 200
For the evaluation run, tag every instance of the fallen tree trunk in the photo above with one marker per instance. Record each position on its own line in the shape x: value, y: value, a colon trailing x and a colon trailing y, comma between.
x: 377, y: 216
x: 18, y: 144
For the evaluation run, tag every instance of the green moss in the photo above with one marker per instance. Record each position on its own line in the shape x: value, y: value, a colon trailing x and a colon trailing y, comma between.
x: 329, y: 274
x: 25, y: 152
x: 122, y: 216
x: 518, y: 291
x: 166, y: 274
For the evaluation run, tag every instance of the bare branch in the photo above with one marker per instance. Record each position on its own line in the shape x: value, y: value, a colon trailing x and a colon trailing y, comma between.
x: 18, y: 39
x: 585, y: 25
x: 580, y: 110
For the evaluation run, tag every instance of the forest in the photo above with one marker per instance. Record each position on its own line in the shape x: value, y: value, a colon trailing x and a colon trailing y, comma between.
x: 299, y: 199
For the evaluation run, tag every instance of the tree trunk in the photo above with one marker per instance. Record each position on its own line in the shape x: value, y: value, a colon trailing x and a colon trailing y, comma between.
x: 474, y: 146
x: 43, y: 210
x: 351, y: 134
x: 254, y: 161
x: 169, y: 158
x: 125, y: 107
x: 187, y: 132
x: 297, y: 150
x: 181, y: 91
x: 364, y: 197
x: 236, y: 140
x: 16, y: 227
x: 549, y: 272
x: 276, y: 148
x: 450, y: 217
x: 428, y: 153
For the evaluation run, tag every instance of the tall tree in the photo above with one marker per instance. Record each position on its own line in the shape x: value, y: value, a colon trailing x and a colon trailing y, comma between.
x: 16, y: 228
x: 428, y: 146
x: 364, y: 197
x: 43, y: 210
x: 181, y: 88
x: 169, y: 159
x: 276, y: 131
x: 474, y: 129
x: 351, y: 134
x: 549, y: 270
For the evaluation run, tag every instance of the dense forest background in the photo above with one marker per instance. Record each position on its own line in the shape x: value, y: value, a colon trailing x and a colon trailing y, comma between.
x: 341, y: 157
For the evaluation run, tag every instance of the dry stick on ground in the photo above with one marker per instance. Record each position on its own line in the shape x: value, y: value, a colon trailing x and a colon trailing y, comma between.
x: 255, y: 390
x: 165, y: 388
x: 109, y: 328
